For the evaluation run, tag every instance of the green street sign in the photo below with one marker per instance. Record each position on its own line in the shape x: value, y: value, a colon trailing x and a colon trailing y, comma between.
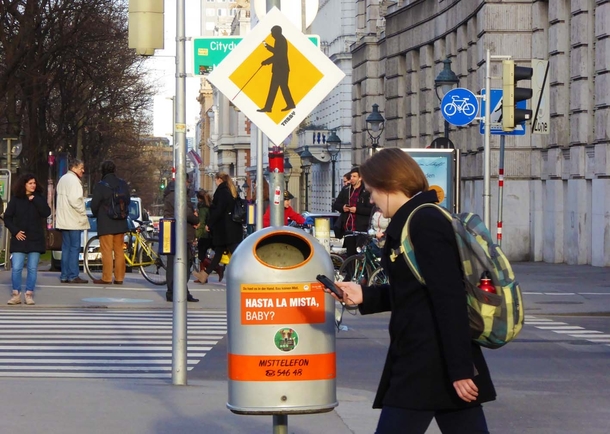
x: 210, y: 51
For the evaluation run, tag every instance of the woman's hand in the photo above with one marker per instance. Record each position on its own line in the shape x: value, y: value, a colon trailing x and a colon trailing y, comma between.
x: 352, y: 292
x: 466, y: 389
x: 20, y: 236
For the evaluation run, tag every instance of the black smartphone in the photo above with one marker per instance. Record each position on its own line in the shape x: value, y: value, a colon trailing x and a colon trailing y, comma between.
x: 330, y: 285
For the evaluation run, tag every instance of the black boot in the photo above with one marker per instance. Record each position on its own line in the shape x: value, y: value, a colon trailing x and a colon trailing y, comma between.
x: 190, y: 298
x: 169, y: 296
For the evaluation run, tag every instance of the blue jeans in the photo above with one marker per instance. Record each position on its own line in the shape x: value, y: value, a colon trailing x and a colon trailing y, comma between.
x: 70, y: 248
x: 17, y: 261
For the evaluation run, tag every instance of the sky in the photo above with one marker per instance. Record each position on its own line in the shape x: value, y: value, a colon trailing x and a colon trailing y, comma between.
x: 163, y: 72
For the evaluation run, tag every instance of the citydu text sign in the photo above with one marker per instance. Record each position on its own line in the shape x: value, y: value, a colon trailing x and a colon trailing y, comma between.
x: 208, y: 52
x: 276, y: 76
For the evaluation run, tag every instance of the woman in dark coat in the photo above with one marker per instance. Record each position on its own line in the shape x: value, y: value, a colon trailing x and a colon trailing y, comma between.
x: 433, y: 368
x: 25, y: 219
x: 226, y: 234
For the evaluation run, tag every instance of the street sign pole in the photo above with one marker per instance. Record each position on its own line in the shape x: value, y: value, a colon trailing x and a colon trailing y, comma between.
x: 179, y: 334
x: 486, y: 146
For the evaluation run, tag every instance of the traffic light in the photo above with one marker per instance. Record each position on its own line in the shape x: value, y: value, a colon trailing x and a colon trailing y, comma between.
x: 163, y: 184
x: 145, y: 26
x: 511, y: 95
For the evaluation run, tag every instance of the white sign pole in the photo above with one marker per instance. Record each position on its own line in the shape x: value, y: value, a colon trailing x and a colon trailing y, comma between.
x: 486, y: 146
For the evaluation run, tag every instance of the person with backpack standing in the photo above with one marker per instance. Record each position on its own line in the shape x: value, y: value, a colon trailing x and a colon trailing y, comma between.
x: 433, y: 368
x: 25, y: 218
x: 110, y: 205
x: 226, y: 233
x: 71, y: 219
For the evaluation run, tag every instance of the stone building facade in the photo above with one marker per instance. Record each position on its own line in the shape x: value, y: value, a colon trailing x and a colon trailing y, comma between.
x: 557, y: 186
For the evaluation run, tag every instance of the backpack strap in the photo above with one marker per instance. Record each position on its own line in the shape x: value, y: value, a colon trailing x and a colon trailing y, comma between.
x: 406, y: 247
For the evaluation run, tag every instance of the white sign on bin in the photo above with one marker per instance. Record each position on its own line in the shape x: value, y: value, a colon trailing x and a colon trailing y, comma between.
x: 276, y: 76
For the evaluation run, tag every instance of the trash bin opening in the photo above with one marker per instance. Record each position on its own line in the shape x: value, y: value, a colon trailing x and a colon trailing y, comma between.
x: 283, y: 250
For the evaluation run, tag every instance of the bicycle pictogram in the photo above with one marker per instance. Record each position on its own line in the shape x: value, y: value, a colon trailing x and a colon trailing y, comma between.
x: 459, y: 105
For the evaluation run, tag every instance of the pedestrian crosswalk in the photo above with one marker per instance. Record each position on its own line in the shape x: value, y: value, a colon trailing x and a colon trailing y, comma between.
x: 88, y: 343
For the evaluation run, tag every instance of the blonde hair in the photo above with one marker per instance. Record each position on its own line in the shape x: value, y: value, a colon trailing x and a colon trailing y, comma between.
x: 392, y: 170
x: 224, y: 177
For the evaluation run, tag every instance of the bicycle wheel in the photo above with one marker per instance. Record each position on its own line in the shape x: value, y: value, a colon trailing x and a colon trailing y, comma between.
x: 92, y: 258
x: 379, y: 277
x: 337, y: 260
x: 468, y: 109
x: 450, y: 109
x: 153, y: 265
x: 355, y: 269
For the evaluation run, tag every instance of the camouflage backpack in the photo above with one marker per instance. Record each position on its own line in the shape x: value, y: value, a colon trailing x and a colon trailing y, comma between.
x: 495, y: 319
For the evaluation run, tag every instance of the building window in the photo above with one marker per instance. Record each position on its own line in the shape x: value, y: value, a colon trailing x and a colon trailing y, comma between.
x: 210, y: 12
x: 210, y: 26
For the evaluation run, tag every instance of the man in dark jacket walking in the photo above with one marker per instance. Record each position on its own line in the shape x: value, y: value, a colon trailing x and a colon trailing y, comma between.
x: 193, y: 222
x: 111, y: 231
x: 354, y: 204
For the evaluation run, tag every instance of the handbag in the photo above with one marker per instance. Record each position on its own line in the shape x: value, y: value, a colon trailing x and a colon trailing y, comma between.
x: 53, y: 239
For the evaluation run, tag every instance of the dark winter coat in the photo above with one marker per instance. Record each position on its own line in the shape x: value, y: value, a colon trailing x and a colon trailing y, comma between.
x: 225, y: 231
x: 363, y: 209
x: 29, y: 216
x: 101, y: 201
x: 170, y: 212
x: 430, y: 344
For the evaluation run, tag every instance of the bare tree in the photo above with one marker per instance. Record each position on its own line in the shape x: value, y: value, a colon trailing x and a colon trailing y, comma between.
x: 69, y: 82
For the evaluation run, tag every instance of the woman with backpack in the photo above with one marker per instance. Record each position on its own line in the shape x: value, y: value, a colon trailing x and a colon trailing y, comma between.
x: 25, y: 218
x: 433, y: 368
x: 226, y: 234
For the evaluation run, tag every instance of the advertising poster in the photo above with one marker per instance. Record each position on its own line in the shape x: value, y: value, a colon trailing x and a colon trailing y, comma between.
x: 439, y: 167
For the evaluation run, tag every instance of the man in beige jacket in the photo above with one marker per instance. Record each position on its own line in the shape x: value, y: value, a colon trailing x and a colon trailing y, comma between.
x: 71, y: 219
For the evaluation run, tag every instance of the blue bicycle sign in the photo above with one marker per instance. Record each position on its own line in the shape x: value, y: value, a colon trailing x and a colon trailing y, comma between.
x: 459, y: 106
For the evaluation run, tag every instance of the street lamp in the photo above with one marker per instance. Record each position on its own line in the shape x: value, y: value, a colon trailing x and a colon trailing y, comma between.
x: 306, y: 160
x: 333, y: 147
x: 287, y: 171
x: 375, y: 124
x: 445, y: 81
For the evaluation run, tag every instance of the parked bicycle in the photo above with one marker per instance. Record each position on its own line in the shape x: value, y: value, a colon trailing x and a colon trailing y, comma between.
x: 140, y: 250
x: 364, y: 267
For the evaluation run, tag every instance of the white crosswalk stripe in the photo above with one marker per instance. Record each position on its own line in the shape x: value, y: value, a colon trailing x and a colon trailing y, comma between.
x: 564, y: 328
x: 87, y: 343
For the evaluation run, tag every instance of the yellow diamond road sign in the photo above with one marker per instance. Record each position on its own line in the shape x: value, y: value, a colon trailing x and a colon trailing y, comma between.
x: 276, y: 76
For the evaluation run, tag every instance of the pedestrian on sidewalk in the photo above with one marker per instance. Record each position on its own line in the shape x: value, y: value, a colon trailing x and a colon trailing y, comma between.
x: 226, y: 234
x: 192, y: 221
x: 25, y: 218
x: 111, y: 230
x: 433, y: 368
x: 204, y: 240
x: 71, y: 219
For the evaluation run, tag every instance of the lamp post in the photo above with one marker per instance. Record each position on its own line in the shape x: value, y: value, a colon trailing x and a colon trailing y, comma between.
x: 287, y: 171
x: 375, y: 123
x: 445, y: 81
x: 306, y: 160
x: 333, y: 147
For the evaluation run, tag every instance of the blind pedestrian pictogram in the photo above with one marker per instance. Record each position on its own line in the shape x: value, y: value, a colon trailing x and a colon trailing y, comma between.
x: 276, y: 76
x: 282, y: 76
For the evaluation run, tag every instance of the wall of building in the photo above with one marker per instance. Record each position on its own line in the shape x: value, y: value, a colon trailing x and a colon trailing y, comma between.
x: 556, y: 206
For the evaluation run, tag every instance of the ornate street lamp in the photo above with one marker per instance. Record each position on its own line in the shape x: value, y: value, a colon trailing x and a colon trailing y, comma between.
x: 375, y: 123
x: 287, y: 171
x: 333, y: 147
x: 306, y: 160
x: 445, y: 81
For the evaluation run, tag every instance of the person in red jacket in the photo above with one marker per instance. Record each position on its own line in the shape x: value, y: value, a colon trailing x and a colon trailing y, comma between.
x: 289, y: 213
